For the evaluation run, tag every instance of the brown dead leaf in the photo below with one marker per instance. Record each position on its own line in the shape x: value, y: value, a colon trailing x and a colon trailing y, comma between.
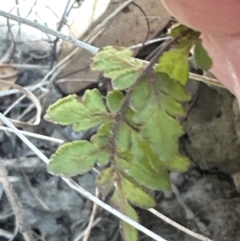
x: 7, y: 73
x: 129, y: 27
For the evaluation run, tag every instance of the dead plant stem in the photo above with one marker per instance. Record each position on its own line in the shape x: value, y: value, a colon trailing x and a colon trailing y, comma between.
x: 91, y: 220
x: 24, y: 226
x: 76, y: 42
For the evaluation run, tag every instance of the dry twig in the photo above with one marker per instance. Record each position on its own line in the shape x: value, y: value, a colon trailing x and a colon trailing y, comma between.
x: 24, y: 226
x: 178, y: 226
x: 45, y: 29
x: 92, y: 217
x: 6, y: 234
x: 81, y: 235
x: 35, y: 135
x: 189, y: 213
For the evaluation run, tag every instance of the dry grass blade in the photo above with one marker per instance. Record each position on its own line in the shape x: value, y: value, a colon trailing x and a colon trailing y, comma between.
x: 189, y: 213
x: 149, y: 42
x: 81, y: 235
x: 92, y: 217
x: 206, y: 80
x: 29, y: 108
x: 15, y: 204
x: 34, y: 194
x: 178, y: 226
x: 32, y: 97
x: 14, y: 91
x: 34, y: 135
x: 28, y: 66
x: 6, y: 234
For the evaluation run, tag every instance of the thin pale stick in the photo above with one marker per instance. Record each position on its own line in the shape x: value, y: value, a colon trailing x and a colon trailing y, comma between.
x: 6, y: 214
x: 24, y: 226
x: 81, y: 190
x: 76, y: 42
x: 6, y: 234
x: 16, y: 230
x: 92, y: 217
x: 60, y: 25
x: 14, y: 91
x: 178, y: 226
x: 149, y: 42
x: 9, y: 54
x: 29, y: 108
x: 206, y: 79
x: 36, y: 197
x: 80, y: 236
x: 27, y: 66
x: 34, y: 135
x: 110, y: 209
x: 189, y: 213
x: 16, y: 102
